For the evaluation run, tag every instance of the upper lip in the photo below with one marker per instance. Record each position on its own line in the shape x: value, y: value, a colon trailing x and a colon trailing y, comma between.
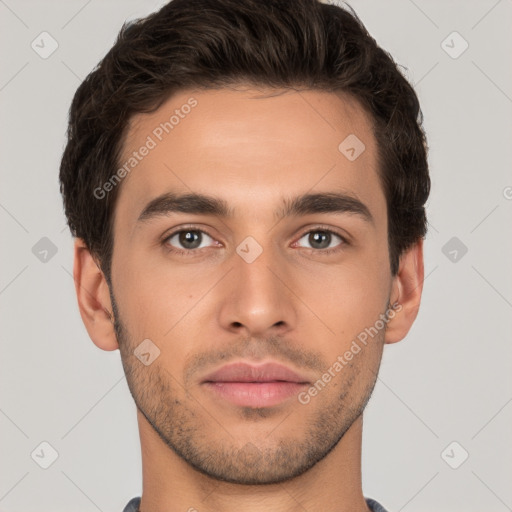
x: 244, y: 372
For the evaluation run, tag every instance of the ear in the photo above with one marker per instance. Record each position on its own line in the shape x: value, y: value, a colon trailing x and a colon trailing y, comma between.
x: 93, y: 298
x: 406, y: 292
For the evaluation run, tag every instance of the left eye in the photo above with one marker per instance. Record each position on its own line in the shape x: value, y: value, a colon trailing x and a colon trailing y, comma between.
x: 321, y: 238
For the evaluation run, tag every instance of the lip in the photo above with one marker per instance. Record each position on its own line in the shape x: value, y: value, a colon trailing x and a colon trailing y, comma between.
x: 250, y: 385
x: 244, y: 372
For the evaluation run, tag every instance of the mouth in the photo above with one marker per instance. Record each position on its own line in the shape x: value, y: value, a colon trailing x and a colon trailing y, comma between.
x: 249, y: 385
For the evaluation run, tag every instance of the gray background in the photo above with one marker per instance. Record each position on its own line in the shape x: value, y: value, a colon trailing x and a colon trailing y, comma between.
x: 448, y: 381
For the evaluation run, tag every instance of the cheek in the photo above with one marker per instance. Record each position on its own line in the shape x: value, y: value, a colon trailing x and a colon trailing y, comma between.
x: 140, y: 299
x: 349, y: 297
x: 160, y: 303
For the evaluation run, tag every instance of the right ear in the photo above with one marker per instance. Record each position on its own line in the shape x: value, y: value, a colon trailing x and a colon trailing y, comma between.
x: 93, y: 298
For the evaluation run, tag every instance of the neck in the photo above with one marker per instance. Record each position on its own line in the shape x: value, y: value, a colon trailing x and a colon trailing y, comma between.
x: 171, y: 485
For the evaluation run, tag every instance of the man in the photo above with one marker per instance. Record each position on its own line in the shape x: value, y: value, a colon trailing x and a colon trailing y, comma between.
x: 246, y: 183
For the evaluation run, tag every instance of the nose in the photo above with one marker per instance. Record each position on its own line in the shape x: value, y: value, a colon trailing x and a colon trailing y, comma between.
x: 257, y: 297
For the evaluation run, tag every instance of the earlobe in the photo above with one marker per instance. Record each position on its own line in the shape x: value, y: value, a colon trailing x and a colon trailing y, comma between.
x: 406, y: 293
x: 93, y: 298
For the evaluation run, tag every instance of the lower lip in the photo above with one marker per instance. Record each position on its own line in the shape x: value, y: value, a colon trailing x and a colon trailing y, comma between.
x: 255, y: 394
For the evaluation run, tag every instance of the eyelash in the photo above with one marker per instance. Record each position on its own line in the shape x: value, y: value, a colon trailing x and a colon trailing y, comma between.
x: 193, y: 252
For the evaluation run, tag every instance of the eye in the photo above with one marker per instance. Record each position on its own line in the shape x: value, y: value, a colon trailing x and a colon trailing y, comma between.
x: 188, y: 240
x: 321, y: 239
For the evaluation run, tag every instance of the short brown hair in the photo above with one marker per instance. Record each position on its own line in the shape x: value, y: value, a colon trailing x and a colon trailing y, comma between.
x: 215, y: 43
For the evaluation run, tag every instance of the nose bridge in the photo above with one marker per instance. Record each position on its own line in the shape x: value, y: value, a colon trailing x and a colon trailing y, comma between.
x: 258, y: 298
x: 253, y: 262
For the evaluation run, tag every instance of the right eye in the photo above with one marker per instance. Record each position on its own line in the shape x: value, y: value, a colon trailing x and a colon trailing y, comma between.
x: 189, y: 239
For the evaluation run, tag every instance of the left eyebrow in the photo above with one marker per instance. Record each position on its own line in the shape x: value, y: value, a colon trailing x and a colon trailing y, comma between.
x: 201, y: 204
x: 325, y: 202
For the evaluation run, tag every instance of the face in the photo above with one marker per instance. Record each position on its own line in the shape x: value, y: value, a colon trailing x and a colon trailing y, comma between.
x: 254, y: 274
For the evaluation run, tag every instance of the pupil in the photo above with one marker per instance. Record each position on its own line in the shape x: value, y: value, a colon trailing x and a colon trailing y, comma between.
x: 314, y: 238
x: 187, y: 239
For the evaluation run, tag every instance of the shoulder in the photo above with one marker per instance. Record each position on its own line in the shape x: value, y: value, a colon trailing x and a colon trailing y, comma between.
x: 375, y: 506
x: 132, y: 505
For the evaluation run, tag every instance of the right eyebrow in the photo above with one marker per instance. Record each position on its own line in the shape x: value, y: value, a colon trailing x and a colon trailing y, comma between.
x: 185, y: 203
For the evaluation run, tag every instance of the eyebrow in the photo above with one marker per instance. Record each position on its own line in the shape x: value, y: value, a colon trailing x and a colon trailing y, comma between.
x: 201, y: 204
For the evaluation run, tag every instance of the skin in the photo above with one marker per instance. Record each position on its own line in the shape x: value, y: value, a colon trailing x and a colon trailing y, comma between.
x: 293, y: 304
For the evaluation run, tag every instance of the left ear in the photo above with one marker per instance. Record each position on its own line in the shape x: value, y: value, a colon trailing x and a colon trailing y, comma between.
x: 406, y: 293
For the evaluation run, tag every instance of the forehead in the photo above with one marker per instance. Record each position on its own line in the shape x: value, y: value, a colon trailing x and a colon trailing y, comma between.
x: 252, y: 147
